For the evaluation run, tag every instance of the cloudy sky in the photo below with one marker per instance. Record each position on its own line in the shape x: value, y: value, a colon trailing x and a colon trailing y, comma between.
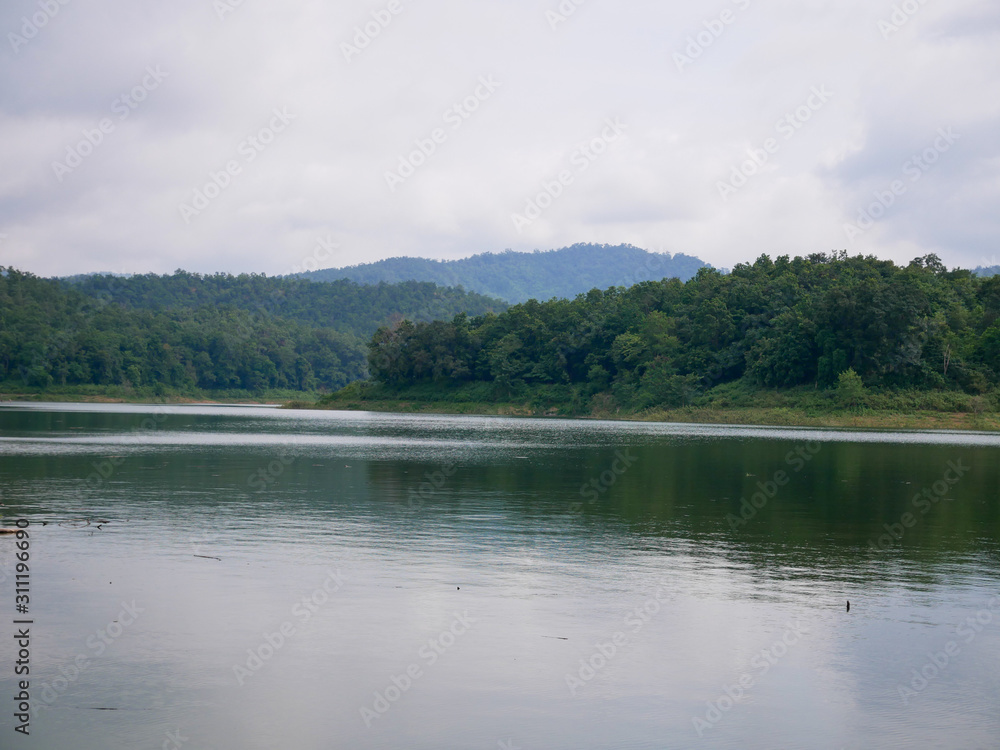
x: 247, y: 135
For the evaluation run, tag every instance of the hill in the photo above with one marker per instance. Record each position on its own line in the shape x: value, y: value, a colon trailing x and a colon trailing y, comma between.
x: 340, y: 305
x: 518, y: 277
x: 200, y: 335
x: 851, y: 327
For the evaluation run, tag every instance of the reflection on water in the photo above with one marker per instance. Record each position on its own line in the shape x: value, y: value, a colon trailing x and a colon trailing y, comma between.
x: 327, y: 580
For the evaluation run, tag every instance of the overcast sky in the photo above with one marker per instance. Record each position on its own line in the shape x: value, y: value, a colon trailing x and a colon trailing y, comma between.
x: 220, y: 135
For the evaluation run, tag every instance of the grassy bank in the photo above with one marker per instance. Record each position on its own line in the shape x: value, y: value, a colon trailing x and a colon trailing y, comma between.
x: 117, y: 394
x: 729, y: 404
x: 733, y: 403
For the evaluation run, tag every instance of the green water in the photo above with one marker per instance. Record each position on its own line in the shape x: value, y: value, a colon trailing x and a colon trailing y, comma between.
x: 460, y: 582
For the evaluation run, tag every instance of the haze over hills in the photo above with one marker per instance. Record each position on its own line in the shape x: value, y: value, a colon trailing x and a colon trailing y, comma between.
x: 518, y: 277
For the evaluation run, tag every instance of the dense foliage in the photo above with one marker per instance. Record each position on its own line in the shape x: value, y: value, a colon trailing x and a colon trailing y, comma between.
x: 185, y: 332
x: 776, y: 324
x: 341, y: 305
x: 518, y: 277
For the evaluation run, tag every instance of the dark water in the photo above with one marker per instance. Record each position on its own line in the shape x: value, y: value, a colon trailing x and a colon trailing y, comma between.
x: 437, y: 582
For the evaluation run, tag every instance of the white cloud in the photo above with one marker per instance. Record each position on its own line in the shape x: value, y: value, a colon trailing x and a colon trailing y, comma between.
x: 325, y: 174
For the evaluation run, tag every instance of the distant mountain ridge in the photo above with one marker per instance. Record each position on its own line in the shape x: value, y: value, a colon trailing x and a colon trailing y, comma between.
x: 518, y: 276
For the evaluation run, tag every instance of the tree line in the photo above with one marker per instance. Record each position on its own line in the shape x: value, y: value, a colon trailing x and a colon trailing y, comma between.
x: 776, y: 323
x: 190, y: 332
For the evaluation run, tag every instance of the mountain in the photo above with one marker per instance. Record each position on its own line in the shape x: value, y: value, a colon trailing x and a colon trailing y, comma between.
x: 986, y: 271
x: 518, y: 277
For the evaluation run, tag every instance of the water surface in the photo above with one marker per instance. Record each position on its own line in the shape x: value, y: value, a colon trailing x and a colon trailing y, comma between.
x: 391, y: 581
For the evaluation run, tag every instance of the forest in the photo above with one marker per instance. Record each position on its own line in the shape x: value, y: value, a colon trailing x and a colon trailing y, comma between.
x: 518, y: 277
x: 186, y: 332
x: 819, y: 321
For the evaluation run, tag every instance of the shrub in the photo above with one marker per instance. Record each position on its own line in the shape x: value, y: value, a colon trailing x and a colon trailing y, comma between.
x: 850, y: 388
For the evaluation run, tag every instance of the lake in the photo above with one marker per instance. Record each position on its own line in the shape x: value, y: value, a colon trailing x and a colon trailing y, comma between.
x: 237, y: 577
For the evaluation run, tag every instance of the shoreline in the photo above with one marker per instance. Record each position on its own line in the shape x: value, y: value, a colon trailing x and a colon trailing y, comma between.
x: 32, y: 398
x: 771, y: 416
x: 167, y: 400
x: 751, y: 416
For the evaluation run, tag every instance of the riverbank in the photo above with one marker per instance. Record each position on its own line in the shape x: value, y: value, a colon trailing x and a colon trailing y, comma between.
x: 803, y: 408
x: 778, y: 417
x: 728, y: 404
